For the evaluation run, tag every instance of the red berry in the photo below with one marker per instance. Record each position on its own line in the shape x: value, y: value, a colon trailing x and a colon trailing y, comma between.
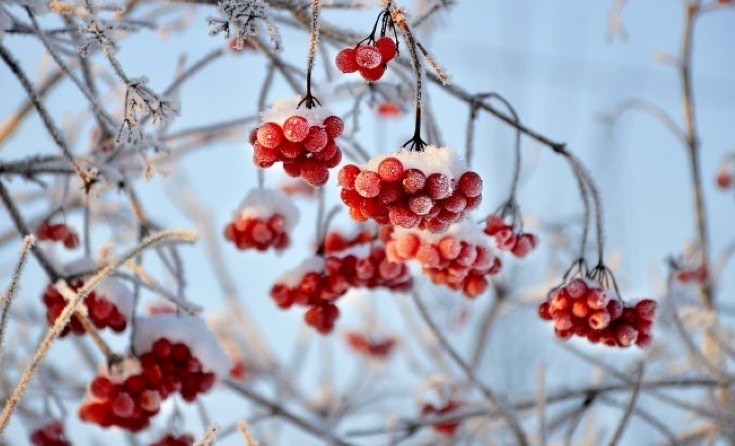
x: 367, y: 184
x: 390, y: 169
x: 270, y: 135
x: 420, y: 204
x: 374, y: 74
x: 626, y: 335
x: 387, y: 48
x: 296, y: 128
x: 101, y: 387
x: 123, y: 405
x: 316, y: 140
x: 646, y: 309
x: 438, y: 186
x: 407, y: 245
x: 470, y: 184
x: 334, y: 126
x: 403, y: 217
x: 413, y: 181
x: 314, y: 173
x: 264, y: 157
x: 346, y: 62
x: 347, y: 176
x: 368, y: 57
x: 724, y: 179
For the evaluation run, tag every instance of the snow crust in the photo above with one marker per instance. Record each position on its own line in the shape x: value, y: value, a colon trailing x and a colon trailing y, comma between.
x: 264, y: 203
x: 283, y: 109
x: 433, y: 159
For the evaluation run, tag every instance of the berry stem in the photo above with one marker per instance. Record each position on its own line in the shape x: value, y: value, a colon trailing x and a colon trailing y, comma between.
x: 309, y: 100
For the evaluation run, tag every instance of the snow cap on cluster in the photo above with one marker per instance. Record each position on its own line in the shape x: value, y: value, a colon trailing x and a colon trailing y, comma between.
x: 190, y: 330
x: 292, y: 277
x: 283, y: 109
x: 264, y: 203
x: 111, y: 289
x: 433, y: 159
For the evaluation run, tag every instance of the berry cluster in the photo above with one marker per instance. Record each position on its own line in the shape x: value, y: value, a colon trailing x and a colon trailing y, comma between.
x: 366, y: 266
x: 519, y: 243
x: 310, y: 286
x: 371, y: 60
x: 448, y: 429
x: 582, y: 307
x: 50, y: 434
x: 303, y: 139
x: 430, y: 189
x: 460, y: 259
x: 58, y: 232
x: 263, y: 221
x: 370, y: 347
x: 335, y: 241
x: 174, y: 440
x: 106, y: 307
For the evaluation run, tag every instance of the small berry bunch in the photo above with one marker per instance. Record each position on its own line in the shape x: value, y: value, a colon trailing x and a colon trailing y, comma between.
x: 50, y: 434
x: 509, y: 236
x: 427, y: 189
x: 174, y: 440
x: 366, y: 266
x: 179, y: 355
x: 447, y: 429
x: 58, y: 232
x: 459, y: 259
x: 264, y: 221
x: 110, y: 305
x: 310, y: 286
x: 583, y: 307
x: 303, y: 139
x: 369, y: 346
x: 336, y: 240
x: 371, y: 56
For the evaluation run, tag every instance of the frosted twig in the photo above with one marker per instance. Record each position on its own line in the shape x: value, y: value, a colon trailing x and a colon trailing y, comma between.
x: 247, y: 435
x: 209, y: 436
x: 6, y: 299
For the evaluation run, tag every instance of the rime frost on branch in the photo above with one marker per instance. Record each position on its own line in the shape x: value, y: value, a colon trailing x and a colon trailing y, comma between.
x: 95, y: 34
x: 244, y: 18
x: 142, y: 103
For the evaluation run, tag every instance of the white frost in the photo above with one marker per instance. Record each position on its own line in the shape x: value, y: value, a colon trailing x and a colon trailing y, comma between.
x: 285, y: 108
x: 264, y: 203
x: 433, y: 159
x: 293, y: 277
x: 190, y: 330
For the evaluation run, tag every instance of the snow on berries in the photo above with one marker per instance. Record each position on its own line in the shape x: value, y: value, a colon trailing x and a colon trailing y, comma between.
x: 109, y: 305
x: 449, y: 428
x: 429, y: 189
x: 49, y: 434
x: 263, y: 221
x: 370, y: 346
x: 508, y: 237
x: 461, y: 258
x: 174, y: 440
x: 301, y: 138
x: 59, y: 233
x: 583, y: 307
x: 177, y: 354
x: 369, y: 59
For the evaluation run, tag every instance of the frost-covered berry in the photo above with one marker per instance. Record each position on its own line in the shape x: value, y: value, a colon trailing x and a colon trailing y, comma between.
x: 368, y: 57
x: 263, y: 221
x: 346, y: 61
x: 58, y: 232
x: 296, y: 128
x: 270, y: 135
x: 387, y: 48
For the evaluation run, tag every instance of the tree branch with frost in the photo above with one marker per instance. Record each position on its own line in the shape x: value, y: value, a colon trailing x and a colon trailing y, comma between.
x: 244, y: 18
x: 6, y: 299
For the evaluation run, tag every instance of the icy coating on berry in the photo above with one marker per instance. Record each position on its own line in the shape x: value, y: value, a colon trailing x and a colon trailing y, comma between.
x: 283, y: 109
x: 189, y: 330
x: 263, y: 203
x: 433, y: 159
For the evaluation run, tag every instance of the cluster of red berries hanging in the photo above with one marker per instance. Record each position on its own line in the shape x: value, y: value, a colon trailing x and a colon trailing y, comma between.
x: 448, y: 429
x: 426, y: 189
x: 372, y: 347
x: 583, y: 307
x: 176, y: 355
x: 50, y: 434
x: 263, y: 221
x: 508, y: 237
x: 461, y: 258
x: 299, y: 137
x: 110, y: 305
x: 175, y: 440
x: 58, y: 232
x: 371, y: 56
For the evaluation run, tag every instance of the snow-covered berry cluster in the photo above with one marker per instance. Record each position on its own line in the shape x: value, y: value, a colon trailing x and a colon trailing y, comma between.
x: 428, y: 189
x: 367, y: 266
x: 371, y: 60
x: 174, y: 440
x: 301, y: 138
x: 582, y: 307
x: 449, y: 428
x: 507, y: 238
x: 58, y: 232
x: 110, y: 305
x: 50, y: 434
x: 264, y: 220
x: 309, y: 285
x: 178, y: 354
x: 372, y: 347
x: 460, y: 259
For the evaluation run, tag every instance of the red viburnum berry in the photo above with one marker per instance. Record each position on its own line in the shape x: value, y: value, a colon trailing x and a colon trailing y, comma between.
x: 49, y: 434
x: 448, y: 429
x: 346, y: 61
x: 387, y: 48
x: 368, y: 57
